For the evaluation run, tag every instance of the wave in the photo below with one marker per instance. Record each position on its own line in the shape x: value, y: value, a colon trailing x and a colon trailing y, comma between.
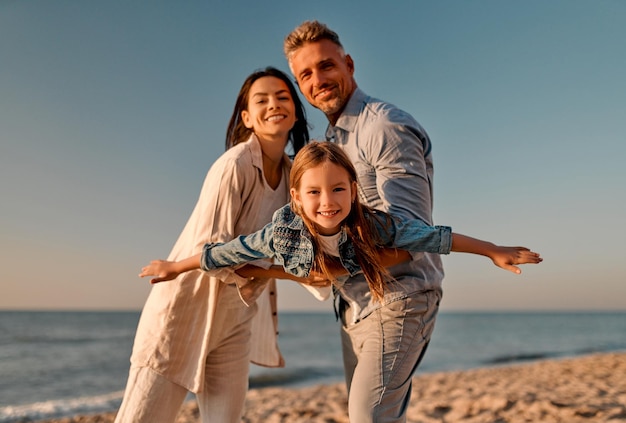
x: 514, y: 358
x: 534, y: 356
x: 61, y: 408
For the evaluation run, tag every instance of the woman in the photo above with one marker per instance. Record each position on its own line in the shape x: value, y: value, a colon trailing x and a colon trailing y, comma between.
x: 195, y: 334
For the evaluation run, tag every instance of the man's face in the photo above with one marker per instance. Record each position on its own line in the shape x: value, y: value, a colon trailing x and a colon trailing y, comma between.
x: 324, y: 75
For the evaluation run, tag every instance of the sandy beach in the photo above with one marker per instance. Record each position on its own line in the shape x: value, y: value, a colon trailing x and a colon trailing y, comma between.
x: 574, y: 390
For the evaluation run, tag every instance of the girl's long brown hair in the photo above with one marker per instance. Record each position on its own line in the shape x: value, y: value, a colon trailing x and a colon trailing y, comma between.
x: 359, y: 224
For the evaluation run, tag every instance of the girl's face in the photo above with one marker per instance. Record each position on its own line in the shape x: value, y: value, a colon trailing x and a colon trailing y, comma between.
x: 271, y: 111
x: 325, y: 196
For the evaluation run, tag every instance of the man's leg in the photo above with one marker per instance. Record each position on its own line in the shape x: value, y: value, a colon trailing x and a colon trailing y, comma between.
x: 388, y: 346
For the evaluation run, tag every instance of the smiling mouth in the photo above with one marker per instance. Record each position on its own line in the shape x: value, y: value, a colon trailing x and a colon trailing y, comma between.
x: 325, y: 93
x: 329, y: 213
x: 275, y: 118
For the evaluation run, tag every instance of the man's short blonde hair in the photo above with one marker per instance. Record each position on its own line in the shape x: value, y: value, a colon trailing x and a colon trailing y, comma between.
x: 307, y: 32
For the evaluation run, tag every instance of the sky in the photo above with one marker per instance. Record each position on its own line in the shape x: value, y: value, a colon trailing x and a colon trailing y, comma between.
x: 112, y: 112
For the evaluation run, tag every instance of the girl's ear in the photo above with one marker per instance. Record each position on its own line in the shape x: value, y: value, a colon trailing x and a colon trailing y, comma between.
x: 354, y: 192
x: 294, y: 195
x: 245, y: 118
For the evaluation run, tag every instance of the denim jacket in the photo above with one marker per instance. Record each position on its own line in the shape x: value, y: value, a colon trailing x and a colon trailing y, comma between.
x: 287, y: 240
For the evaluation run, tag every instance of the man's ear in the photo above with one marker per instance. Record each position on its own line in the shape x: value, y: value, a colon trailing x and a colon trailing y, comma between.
x: 350, y: 64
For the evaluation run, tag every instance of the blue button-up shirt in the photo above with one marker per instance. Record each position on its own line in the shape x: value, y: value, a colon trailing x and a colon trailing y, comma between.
x: 392, y: 155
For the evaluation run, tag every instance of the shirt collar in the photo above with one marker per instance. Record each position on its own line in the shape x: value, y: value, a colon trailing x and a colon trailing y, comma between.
x: 257, y: 155
x: 255, y: 150
x: 350, y: 115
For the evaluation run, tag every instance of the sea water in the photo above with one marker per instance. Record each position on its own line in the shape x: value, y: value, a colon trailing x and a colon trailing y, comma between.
x: 57, y: 364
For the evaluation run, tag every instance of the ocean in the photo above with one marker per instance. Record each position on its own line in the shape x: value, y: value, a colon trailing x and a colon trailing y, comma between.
x: 59, y: 364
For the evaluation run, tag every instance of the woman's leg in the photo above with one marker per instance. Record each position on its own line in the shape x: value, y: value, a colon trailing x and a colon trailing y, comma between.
x: 228, y: 361
x: 150, y: 398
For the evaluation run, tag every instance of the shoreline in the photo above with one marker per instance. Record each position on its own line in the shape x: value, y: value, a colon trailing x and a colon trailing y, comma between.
x: 590, y: 388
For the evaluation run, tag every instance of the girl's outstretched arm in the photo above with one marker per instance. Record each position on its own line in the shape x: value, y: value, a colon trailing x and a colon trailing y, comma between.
x: 278, y: 272
x: 504, y: 257
x: 164, y: 270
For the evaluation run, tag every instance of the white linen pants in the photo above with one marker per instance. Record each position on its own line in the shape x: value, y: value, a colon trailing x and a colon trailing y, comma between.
x: 152, y: 398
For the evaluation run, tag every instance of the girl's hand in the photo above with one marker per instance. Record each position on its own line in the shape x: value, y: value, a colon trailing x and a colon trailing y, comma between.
x: 163, y: 270
x: 315, y: 279
x: 508, y: 257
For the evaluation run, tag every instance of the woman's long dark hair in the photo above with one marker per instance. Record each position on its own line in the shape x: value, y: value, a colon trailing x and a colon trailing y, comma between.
x: 237, y: 131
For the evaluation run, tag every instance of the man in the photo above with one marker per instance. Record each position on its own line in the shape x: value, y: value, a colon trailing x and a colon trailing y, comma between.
x: 382, y: 342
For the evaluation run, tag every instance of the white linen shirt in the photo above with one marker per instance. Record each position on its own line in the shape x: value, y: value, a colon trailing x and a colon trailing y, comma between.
x: 176, y: 320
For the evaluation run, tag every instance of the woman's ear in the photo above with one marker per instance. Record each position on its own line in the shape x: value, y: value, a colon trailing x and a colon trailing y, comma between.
x: 245, y: 118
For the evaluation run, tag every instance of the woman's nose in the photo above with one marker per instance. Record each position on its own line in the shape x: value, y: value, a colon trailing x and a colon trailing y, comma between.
x: 273, y: 103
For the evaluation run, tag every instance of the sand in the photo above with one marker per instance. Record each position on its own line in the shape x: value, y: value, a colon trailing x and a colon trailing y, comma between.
x: 584, y: 389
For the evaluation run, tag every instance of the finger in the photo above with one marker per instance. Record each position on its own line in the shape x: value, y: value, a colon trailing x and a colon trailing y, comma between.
x: 512, y: 268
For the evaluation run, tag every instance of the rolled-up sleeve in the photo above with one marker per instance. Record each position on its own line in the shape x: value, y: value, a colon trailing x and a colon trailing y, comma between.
x: 416, y: 236
x: 240, y: 250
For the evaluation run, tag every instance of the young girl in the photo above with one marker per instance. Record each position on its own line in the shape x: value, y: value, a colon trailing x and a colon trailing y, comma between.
x: 325, y: 225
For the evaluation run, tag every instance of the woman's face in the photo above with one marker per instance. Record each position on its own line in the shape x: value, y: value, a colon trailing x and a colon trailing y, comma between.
x: 271, y: 111
x: 325, y: 196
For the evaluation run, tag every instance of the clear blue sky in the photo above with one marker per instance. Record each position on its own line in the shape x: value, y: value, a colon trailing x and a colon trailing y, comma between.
x: 111, y: 112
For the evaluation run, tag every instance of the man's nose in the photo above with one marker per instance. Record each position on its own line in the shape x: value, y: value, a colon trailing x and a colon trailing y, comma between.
x: 318, y: 79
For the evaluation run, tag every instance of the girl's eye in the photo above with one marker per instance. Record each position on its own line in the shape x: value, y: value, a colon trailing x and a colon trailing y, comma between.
x: 313, y: 192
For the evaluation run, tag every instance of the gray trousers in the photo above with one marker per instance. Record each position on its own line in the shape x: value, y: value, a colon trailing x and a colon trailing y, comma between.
x: 381, y: 353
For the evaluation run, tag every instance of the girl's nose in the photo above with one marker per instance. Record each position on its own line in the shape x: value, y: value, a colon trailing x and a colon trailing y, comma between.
x: 325, y: 199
